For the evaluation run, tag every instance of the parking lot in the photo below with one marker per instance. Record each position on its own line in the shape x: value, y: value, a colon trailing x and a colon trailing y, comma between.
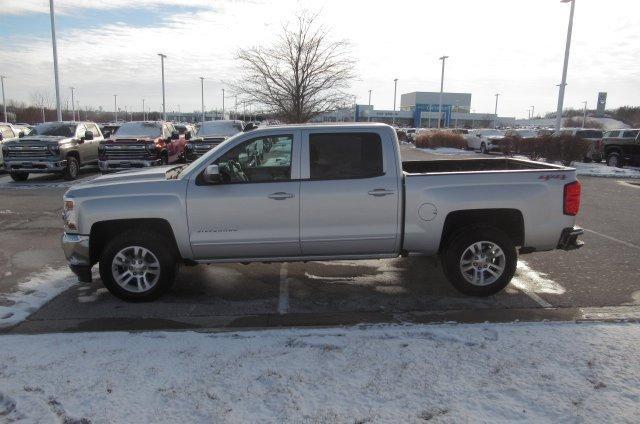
x: 598, y: 281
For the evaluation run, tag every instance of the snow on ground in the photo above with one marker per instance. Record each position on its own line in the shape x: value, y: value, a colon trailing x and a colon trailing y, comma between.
x: 602, y: 170
x: 30, y: 295
x: 447, y: 151
x: 544, y: 372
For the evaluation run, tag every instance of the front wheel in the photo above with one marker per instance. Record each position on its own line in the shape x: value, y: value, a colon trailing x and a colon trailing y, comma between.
x: 480, y: 261
x: 138, y: 266
x: 71, y: 171
x: 614, y: 159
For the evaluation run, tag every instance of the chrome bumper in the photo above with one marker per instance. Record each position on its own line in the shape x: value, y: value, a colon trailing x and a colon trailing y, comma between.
x: 122, y: 164
x: 76, y: 250
x: 35, y: 166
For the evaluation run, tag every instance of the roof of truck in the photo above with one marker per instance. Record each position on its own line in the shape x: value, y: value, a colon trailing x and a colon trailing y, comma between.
x: 323, y: 125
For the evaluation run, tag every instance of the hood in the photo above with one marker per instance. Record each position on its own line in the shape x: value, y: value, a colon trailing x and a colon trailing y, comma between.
x: 129, y: 140
x: 152, y: 173
x: 209, y: 139
x: 38, y: 140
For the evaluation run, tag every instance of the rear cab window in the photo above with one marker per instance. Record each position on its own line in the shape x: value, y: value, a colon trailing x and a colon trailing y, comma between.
x: 350, y: 155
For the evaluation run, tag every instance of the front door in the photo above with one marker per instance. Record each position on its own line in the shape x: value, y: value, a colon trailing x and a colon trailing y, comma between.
x: 255, y: 211
x: 350, y: 194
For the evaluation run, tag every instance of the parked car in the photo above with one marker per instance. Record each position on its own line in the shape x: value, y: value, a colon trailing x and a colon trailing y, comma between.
x: 7, y: 132
x: 140, y: 144
x: 411, y: 134
x: 210, y: 134
x: 592, y: 135
x: 621, y: 147
x: 58, y: 147
x: 320, y: 192
x: 483, y: 139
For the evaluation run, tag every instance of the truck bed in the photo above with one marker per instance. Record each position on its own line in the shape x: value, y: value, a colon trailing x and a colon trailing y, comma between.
x: 473, y: 164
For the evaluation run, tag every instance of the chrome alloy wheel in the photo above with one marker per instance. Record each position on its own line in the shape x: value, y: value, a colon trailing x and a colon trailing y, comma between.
x: 482, y: 263
x: 135, y: 269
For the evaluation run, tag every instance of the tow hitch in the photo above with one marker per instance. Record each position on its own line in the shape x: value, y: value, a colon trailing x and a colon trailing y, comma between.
x: 569, y: 239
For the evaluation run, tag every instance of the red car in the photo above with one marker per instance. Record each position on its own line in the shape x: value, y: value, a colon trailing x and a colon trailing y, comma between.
x: 140, y: 144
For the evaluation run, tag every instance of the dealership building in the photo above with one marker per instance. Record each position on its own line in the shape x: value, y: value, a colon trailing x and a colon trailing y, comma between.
x: 421, y: 109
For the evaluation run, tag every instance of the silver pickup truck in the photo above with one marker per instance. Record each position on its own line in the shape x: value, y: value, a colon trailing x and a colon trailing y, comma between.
x: 318, y: 192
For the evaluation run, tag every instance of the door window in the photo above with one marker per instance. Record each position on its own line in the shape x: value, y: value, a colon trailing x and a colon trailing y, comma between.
x: 6, y: 132
x: 80, y: 131
x: 630, y: 134
x: 345, y: 156
x: 261, y: 159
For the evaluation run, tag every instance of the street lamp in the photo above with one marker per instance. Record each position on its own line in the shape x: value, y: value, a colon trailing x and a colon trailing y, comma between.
x: 395, y: 89
x: 223, y: 103
x: 495, y: 122
x: 443, y: 59
x: 4, y: 102
x: 202, y: 96
x: 55, y: 57
x: 143, y: 117
x: 115, y: 106
x: 584, y: 115
x: 73, y: 105
x: 164, y: 112
x: 533, y: 111
x: 563, y: 84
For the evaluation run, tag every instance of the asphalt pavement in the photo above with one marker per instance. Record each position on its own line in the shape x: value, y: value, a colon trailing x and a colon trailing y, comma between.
x: 598, y: 281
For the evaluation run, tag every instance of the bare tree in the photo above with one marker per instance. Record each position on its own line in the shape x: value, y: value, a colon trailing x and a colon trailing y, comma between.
x: 303, y: 75
x: 41, y: 99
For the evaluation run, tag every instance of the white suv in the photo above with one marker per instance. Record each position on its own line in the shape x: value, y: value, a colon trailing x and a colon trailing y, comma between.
x: 483, y: 139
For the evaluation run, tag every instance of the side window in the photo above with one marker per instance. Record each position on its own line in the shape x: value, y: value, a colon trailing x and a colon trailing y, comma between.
x: 94, y: 129
x: 630, y: 134
x: 261, y: 159
x: 345, y: 156
x: 613, y: 134
x: 80, y: 131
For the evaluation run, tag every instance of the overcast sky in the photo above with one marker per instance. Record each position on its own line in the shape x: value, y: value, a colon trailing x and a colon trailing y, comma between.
x: 512, y: 47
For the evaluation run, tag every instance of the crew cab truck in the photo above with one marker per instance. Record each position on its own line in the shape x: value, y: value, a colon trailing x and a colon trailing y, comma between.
x: 53, y: 147
x: 622, y: 147
x: 140, y: 144
x: 318, y: 192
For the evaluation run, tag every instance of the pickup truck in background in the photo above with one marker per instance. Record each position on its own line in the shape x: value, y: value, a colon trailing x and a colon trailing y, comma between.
x: 140, y: 144
x: 57, y: 147
x: 621, y: 147
x: 318, y: 192
x: 592, y: 135
x: 209, y: 135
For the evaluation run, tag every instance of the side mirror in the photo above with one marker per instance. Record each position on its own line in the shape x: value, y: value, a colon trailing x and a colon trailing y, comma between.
x: 1, y: 137
x: 88, y: 135
x: 21, y: 134
x: 187, y: 135
x: 211, y: 174
x: 175, y: 135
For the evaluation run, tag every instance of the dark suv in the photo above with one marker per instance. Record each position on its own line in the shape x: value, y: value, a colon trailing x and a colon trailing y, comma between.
x: 622, y: 147
x: 60, y: 147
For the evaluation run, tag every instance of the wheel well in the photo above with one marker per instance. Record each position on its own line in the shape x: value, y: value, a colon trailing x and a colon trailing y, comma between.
x: 611, y: 149
x: 75, y: 154
x: 102, y: 232
x: 508, y: 220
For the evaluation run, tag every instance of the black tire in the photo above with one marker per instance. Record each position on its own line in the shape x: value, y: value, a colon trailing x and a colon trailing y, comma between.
x: 71, y: 171
x: 19, y: 176
x: 615, y: 159
x: 158, y: 245
x: 456, y: 247
x: 164, y: 157
x: 586, y: 160
x: 483, y: 148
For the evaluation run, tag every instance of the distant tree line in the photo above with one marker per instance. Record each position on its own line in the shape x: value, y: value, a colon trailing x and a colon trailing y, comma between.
x: 630, y: 115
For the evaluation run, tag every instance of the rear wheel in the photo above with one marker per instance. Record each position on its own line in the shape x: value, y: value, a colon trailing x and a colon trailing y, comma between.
x: 480, y: 261
x: 19, y: 176
x: 71, y: 171
x: 138, y: 266
x: 614, y: 159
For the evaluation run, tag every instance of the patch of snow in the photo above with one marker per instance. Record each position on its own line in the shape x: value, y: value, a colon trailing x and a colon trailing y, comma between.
x: 447, y: 151
x: 602, y: 170
x: 30, y: 295
x: 542, y: 372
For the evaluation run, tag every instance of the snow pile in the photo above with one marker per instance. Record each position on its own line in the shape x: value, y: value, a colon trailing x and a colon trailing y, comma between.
x: 456, y: 373
x: 30, y: 295
x: 601, y: 170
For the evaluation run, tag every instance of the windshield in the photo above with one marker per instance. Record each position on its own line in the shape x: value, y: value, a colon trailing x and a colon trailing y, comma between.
x: 491, y: 132
x: 204, y: 158
x: 219, y: 128
x: 64, y: 130
x: 140, y: 129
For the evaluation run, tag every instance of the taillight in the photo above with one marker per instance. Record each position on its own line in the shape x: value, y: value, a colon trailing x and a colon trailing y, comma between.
x: 572, y: 198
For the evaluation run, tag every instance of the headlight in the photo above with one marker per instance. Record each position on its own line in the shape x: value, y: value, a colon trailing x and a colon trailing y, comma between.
x: 54, y: 149
x: 70, y: 215
x: 151, y: 146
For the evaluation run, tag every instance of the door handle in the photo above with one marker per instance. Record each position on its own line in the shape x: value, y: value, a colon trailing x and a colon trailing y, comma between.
x: 280, y: 196
x: 379, y: 192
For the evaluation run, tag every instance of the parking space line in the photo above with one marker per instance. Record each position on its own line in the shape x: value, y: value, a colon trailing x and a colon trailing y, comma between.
x: 283, y: 299
x: 626, y: 243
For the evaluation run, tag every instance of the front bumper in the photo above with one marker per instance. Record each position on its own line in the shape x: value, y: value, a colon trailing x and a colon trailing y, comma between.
x: 35, y: 166
x: 76, y: 250
x: 569, y: 239
x: 112, y: 165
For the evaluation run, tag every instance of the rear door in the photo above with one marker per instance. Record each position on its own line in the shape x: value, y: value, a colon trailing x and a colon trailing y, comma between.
x: 349, y: 193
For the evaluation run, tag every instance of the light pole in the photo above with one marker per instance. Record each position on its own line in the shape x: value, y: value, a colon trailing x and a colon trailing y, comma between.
x: 55, y: 57
x: 115, y: 106
x: 456, y: 124
x: 164, y: 112
x: 563, y: 84
x: 4, y: 102
x: 495, y: 122
x: 223, y: 103
x: 395, y: 89
x: 584, y: 114
x: 73, y: 105
x: 443, y: 59
x: 369, y: 97
x: 143, y: 114
x: 202, y: 96
x: 533, y: 111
